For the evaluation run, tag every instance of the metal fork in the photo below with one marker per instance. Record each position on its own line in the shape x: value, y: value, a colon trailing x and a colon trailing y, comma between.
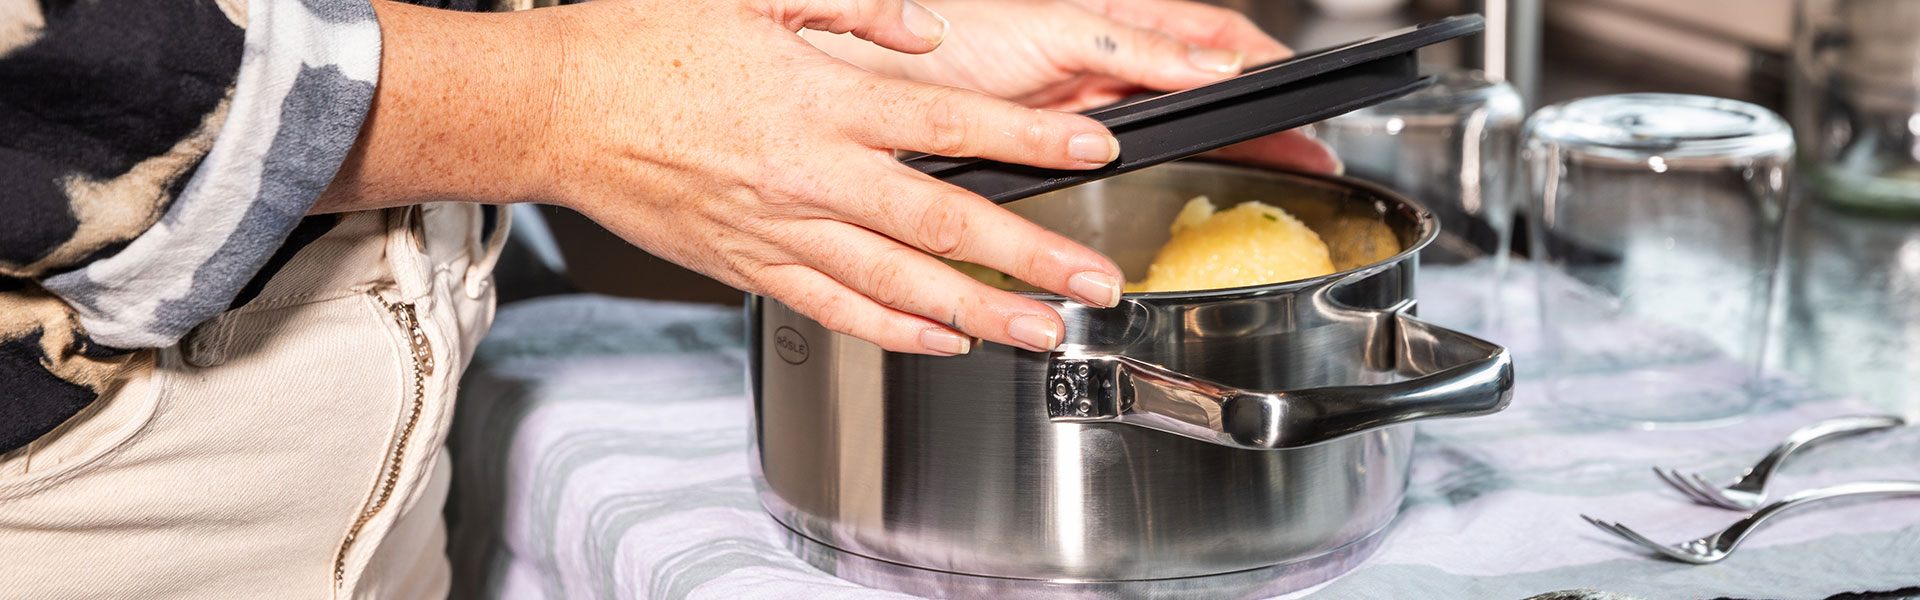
x: 1750, y: 491
x: 1718, y: 546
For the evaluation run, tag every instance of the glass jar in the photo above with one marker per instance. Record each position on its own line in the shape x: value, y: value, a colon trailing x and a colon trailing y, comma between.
x: 1655, y: 232
x: 1855, y: 101
x: 1453, y: 147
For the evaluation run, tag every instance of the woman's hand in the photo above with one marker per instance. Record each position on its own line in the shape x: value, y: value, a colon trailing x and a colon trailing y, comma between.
x: 1072, y: 55
x: 710, y: 134
x: 1079, y: 54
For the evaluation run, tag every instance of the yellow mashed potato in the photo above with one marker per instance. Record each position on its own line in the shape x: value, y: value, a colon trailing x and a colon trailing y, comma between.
x: 1253, y: 243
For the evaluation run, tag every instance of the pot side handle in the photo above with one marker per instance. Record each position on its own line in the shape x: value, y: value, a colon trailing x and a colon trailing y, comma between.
x: 1451, y: 374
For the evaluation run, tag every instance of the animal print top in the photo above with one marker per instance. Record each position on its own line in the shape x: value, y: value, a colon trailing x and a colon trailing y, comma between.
x: 157, y: 160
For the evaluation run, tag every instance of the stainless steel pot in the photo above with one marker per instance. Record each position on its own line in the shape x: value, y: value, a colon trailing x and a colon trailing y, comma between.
x: 1221, y: 443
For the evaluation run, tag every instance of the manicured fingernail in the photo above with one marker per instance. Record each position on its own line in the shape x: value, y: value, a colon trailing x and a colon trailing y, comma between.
x: 924, y: 23
x: 1215, y: 60
x: 1339, y: 166
x: 1094, y: 148
x: 1035, y: 332
x: 1095, y: 288
x: 944, y: 342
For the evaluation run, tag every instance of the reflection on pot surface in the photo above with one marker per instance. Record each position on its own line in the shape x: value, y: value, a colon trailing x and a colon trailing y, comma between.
x: 1226, y: 443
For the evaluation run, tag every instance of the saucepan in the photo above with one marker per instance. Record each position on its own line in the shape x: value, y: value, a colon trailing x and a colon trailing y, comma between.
x: 1221, y: 443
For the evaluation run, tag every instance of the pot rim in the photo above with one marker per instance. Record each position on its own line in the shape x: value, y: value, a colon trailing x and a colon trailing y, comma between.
x: 1428, y: 223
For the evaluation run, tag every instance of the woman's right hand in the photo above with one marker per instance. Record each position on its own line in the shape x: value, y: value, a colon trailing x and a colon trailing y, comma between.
x: 710, y: 134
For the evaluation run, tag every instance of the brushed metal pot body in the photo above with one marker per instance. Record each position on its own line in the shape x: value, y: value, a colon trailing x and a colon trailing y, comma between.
x: 1222, y: 443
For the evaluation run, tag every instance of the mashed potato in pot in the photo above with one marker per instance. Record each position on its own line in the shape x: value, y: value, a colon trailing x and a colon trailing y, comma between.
x: 1253, y: 243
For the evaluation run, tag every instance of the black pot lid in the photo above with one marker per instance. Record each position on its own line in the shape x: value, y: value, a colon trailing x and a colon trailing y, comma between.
x: 1157, y: 128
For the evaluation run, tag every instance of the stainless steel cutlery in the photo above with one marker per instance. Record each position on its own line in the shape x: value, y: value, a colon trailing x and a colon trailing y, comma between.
x: 1718, y: 545
x: 1749, y: 492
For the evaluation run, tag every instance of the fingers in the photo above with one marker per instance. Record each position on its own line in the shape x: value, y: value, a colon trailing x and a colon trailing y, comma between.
x: 839, y: 308
x: 902, y: 25
x: 1292, y: 149
x: 948, y: 121
x: 1146, y: 57
x: 1198, y: 24
x: 952, y: 223
x: 910, y: 281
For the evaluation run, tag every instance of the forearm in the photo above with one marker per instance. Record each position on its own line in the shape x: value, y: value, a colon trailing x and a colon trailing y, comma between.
x: 460, y: 111
x: 712, y: 136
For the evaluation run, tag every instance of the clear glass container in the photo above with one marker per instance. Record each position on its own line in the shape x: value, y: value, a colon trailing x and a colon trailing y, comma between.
x: 1656, y: 238
x: 1853, y: 321
x: 1452, y: 147
x: 1855, y: 99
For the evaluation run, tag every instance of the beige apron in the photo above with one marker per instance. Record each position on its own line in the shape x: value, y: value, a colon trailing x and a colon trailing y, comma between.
x: 288, y: 449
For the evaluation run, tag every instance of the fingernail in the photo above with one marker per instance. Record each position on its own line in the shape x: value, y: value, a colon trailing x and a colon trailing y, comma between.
x: 1035, y: 332
x: 1339, y: 166
x: 1095, y: 288
x: 1093, y: 148
x: 944, y: 342
x: 923, y: 22
x: 1215, y: 60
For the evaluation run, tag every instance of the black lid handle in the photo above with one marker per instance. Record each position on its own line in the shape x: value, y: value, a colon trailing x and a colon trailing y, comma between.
x: 1264, y: 100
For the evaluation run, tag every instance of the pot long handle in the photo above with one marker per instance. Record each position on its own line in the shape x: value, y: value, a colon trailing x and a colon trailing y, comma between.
x: 1452, y: 375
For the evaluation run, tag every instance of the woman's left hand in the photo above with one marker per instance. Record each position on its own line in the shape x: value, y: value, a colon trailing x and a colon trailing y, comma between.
x: 1080, y: 54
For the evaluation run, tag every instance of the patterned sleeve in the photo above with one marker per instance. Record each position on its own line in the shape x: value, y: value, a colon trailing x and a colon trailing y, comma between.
x: 153, y: 156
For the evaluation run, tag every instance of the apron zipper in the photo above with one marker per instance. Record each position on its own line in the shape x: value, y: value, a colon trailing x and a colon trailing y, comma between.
x: 409, y: 320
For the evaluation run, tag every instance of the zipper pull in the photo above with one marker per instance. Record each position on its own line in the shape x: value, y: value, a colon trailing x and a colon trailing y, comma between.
x: 405, y: 314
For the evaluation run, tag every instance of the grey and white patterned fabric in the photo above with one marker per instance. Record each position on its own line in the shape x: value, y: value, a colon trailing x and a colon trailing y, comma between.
x: 601, y: 452
x: 157, y: 162
x: 157, y: 156
x: 303, y: 88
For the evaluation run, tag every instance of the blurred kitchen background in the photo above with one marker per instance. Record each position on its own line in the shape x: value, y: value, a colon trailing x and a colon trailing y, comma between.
x: 1851, y: 319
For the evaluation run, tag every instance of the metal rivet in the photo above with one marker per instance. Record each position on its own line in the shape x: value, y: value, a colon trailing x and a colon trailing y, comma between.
x: 203, y: 347
x: 1060, y: 390
x: 1082, y: 371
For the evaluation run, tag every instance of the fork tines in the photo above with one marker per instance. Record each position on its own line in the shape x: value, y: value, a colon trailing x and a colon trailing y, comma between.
x: 1628, y: 534
x: 1694, y: 486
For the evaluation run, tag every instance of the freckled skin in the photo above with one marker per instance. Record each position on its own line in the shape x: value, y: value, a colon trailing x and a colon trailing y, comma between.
x: 713, y: 136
